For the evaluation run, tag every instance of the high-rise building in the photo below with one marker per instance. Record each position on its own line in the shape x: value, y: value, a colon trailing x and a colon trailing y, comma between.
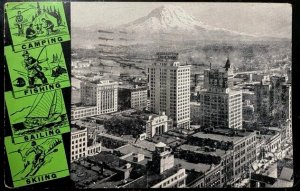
x: 221, y: 105
x: 97, y: 97
x: 169, y: 83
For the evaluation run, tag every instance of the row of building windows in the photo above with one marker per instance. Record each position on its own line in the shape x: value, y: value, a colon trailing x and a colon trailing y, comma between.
x: 80, y: 140
x: 78, y: 151
x: 78, y: 136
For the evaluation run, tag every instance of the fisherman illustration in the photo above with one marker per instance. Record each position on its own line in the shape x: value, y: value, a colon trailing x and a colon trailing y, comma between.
x: 49, y: 26
x: 19, y: 23
x: 34, y: 69
x: 30, y: 32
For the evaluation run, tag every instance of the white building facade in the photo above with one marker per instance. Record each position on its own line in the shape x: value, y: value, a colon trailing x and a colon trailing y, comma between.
x: 157, y: 124
x: 221, y: 105
x: 169, y: 84
x: 97, y: 98
x: 78, y: 143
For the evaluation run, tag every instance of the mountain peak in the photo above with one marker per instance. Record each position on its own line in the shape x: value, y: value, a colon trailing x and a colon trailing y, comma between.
x: 172, y: 19
x: 164, y: 19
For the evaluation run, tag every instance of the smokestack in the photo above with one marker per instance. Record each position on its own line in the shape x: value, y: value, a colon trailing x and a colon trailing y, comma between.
x: 210, y: 65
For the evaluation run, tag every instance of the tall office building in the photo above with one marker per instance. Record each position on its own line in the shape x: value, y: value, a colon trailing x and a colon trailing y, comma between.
x: 169, y: 83
x: 97, y: 97
x: 221, y: 105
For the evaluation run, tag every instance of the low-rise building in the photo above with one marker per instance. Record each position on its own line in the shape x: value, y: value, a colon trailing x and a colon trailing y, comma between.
x: 94, y: 149
x: 243, y: 144
x: 248, y: 110
x: 157, y: 124
x: 161, y: 171
x: 78, y: 143
x: 220, y: 164
x: 97, y: 97
x: 195, y: 112
x: 81, y: 64
x: 271, y: 143
x: 133, y: 97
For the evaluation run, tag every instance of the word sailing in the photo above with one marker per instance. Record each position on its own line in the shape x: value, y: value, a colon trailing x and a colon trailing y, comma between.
x: 42, y: 134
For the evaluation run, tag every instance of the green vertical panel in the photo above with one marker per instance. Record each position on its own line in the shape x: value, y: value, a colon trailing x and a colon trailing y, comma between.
x: 37, y: 116
x: 36, y: 161
x: 37, y: 70
x: 36, y: 24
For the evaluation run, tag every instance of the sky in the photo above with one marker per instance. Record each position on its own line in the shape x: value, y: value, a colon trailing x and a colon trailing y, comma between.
x: 260, y: 19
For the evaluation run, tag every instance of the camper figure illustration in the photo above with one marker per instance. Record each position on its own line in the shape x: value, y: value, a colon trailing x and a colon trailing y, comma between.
x: 34, y: 21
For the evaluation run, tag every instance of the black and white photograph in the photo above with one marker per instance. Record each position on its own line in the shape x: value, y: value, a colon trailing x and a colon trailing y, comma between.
x: 181, y: 95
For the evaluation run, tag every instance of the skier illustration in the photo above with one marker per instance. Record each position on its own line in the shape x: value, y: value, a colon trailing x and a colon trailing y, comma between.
x: 34, y: 69
x: 40, y: 153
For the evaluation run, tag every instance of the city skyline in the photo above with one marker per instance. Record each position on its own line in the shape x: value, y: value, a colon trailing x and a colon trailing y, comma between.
x: 181, y: 98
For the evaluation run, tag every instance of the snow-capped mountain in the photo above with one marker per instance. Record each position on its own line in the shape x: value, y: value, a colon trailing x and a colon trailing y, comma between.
x: 173, y: 19
x: 163, y: 25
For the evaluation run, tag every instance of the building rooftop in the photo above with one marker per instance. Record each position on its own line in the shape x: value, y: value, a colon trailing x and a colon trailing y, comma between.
x: 133, y: 87
x: 170, y: 140
x: 151, y: 178
x: 100, y: 81
x: 131, y: 157
x: 126, y: 149
x: 194, y: 103
x: 144, y: 144
x: 286, y: 174
x: 283, y: 184
x: 222, y: 136
x: 76, y: 129
x: 111, y: 137
x: 107, y: 158
x: 263, y: 178
x: 198, y: 167
x: 197, y: 149
x: 160, y: 144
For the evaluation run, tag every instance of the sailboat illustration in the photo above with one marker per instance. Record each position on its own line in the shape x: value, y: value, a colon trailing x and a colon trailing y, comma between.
x: 46, y: 111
